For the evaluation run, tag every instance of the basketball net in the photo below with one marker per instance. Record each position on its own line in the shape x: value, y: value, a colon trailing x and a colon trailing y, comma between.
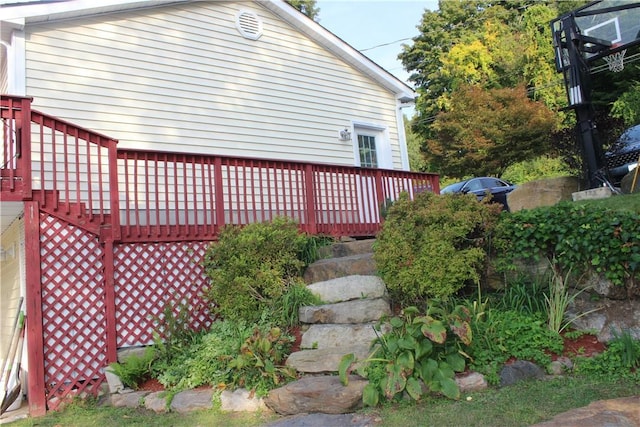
x: 615, y: 61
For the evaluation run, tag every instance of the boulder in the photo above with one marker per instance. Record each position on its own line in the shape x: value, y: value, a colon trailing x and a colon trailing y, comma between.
x: 317, y: 394
x: 623, y: 412
x: 331, y: 336
x: 240, y: 400
x: 544, y: 192
x: 519, y: 370
x: 473, y: 381
x: 349, y: 288
x: 356, y: 311
x: 332, y: 268
x: 129, y: 399
x: 324, y: 359
x: 156, y: 402
x: 192, y: 400
x: 627, y: 182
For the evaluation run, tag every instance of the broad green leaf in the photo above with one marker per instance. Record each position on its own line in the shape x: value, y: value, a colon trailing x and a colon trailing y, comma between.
x: 396, y: 381
x: 396, y: 322
x: 428, y: 370
x: 435, y: 331
x: 414, y: 388
x: 424, y: 349
x: 405, y: 362
x: 370, y: 395
x: 450, y: 389
x: 463, y: 330
x: 344, y: 368
x: 407, y: 343
x: 456, y: 361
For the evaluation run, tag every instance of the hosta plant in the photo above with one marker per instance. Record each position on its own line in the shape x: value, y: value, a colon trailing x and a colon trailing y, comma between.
x: 419, y: 353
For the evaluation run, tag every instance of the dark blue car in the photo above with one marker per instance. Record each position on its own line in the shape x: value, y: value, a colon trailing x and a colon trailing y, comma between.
x: 481, y: 187
x: 622, y: 157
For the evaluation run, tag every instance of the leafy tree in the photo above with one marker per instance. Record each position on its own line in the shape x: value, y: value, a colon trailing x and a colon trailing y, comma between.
x: 417, y: 161
x: 491, y: 45
x: 484, y: 131
x: 308, y: 7
x: 627, y: 106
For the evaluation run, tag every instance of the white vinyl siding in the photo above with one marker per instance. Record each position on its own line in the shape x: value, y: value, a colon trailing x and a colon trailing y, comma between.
x: 182, y: 78
x: 4, y: 73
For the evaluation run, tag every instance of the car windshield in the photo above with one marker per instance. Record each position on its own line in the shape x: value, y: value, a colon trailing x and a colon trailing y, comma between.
x: 453, y: 188
x: 631, y: 135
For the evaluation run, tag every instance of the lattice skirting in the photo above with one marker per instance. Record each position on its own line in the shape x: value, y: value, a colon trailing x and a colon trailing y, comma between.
x: 151, y: 277
x: 148, y: 278
x: 73, y: 310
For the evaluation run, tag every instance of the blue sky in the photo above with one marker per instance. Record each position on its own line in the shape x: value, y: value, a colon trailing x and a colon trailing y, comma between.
x: 368, y: 23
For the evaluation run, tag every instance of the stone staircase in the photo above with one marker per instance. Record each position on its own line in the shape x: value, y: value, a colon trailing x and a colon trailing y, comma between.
x: 355, y: 299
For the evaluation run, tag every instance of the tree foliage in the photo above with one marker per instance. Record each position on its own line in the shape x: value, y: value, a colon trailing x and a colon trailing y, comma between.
x: 308, y: 7
x: 484, y: 131
x: 491, y: 46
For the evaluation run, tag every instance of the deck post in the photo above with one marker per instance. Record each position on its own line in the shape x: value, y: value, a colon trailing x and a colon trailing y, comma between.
x: 35, y: 342
x: 310, y: 209
x: 110, y: 302
x: 24, y: 150
x: 218, y: 192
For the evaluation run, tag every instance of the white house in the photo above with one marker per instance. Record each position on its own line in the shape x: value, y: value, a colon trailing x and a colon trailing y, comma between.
x: 152, y: 124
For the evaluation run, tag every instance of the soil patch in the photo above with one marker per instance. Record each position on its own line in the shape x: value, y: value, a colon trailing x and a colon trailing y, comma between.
x: 585, y: 346
x: 151, y: 385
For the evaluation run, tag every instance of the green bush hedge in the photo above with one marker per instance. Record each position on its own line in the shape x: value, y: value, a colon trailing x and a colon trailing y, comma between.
x: 576, y: 237
x: 252, y: 267
x: 434, y: 245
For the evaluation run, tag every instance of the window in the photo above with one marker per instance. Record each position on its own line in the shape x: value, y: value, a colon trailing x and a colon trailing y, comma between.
x: 367, y: 149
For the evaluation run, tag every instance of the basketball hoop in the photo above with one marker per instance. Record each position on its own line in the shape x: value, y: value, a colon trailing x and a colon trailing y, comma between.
x: 615, y: 61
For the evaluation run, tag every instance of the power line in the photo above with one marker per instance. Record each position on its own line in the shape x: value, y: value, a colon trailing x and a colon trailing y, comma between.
x: 386, y: 44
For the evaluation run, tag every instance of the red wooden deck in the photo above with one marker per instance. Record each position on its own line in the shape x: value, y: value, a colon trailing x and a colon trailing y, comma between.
x: 119, y: 234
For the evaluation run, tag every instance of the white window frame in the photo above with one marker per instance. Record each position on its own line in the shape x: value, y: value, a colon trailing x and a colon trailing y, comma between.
x: 384, y: 155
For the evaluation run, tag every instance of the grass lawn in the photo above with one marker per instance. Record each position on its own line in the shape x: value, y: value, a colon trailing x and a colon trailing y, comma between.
x: 519, y: 405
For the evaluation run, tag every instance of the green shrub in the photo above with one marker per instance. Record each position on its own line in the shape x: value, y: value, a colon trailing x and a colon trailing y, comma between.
x: 233, y: 354
x: 621, y: 359
x: 418, y: 350
x: 135, y: 369
x: 577, y: 237
x: 500, y: 335
x: 433, y: 246
x: 251, y: 267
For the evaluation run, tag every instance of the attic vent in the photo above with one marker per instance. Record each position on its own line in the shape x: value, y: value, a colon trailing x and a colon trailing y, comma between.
x: 249, y: 24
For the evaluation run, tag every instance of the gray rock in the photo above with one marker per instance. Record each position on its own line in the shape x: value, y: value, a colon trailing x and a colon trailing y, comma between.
x: 326, y: 420
x: 128, y: 400
x: 323, y: 360
x: 610, y: 318
x: 332, y: 268
x: 241, y: 400
x: 472, y: 381
x: 192, y: 400
x: 519, y: 370
x: 331, y: 336
x: 317, y: 394
x: 623, y: 412
x: 343, y: 249
x: 156, y: 402
x: 356, y: 311
x: 351, y: 287
x: 544, y: 192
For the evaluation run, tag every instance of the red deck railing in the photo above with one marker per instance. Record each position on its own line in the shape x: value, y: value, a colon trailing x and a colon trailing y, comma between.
x: 143, y: 195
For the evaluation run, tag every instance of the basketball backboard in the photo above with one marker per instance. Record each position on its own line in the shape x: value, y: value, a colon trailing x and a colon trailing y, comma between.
x: 597, y: 29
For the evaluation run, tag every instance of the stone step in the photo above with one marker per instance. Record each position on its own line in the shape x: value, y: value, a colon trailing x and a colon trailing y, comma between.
x: 332, y: 336
x: 355, y: 311
x: 343, y: 249
x: 349, y: 288
x: 332, y: 268
x: 324, y: 359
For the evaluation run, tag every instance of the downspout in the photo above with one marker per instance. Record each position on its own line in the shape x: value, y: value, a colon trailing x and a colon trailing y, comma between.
x: 403, y: 102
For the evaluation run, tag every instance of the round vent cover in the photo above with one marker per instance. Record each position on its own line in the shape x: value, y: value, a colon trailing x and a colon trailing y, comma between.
x: 249, y: 24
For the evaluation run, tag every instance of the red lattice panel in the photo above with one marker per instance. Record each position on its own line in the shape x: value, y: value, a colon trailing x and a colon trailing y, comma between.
x: 73, y: 307
x: 150, y: 276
